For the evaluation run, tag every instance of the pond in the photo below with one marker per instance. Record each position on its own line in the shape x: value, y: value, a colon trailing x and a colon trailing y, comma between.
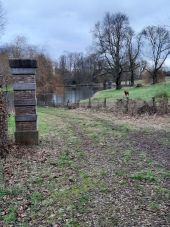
x: 73, y: 94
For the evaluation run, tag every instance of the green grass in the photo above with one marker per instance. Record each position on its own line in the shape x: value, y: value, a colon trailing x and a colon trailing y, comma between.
x: 150, y: 175
x: 9, y: 191
x: 154, y: 205
x: 11, y: 125
x: 43, y: 125
x: 9, y: 88
x: 11, y: 216
x: 36, y: 198
x: 147, y: 175
x: 143, y: 93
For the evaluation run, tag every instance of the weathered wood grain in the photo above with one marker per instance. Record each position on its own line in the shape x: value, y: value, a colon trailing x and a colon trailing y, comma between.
x: 24, y: 79
x: 23, y: 71
x: 28, y: 102
x: 23, y: 63
x: 24, y: 86
x: 26, y: 118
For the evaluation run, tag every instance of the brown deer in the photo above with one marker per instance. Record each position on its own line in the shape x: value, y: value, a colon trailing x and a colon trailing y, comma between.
x: 126, y: 93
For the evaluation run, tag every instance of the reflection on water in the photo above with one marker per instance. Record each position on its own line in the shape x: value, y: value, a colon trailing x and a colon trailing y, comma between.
x: 73, y: 94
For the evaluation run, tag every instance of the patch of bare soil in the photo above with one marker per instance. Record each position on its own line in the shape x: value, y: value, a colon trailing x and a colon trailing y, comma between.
x: 155, y: 144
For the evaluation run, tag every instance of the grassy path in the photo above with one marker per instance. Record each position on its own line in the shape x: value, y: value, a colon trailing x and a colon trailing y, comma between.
x: 89, y: 170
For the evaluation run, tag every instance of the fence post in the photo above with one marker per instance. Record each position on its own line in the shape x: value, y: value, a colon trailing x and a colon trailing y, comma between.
x: 89, y: 104
x: 127, y: 104
x: 154, y: 104
x: 104, y: 104
x: 68, y: 101
x: 24, y: 86
x: 78, y: 103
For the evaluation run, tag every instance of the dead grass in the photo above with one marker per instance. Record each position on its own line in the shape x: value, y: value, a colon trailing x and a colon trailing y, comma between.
x: 90, y: 169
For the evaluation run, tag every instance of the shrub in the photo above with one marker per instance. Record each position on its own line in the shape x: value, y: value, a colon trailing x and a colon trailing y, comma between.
x: 3, y: 126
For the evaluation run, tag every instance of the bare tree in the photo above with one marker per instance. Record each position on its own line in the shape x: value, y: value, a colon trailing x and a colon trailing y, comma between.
x: 157, y: 39
x: 2, y: 19
x: 133, y: 50
x: 20, y: 48
x: 110, y: 36
x: 142, y: 67
x: 4, y: 66
x: 45, y: 74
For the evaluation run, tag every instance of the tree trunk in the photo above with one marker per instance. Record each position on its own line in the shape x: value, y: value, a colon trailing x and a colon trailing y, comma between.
x: 118, y: 82
x: 104, y: 85
x: 154, y: 77
x: 132, y: 79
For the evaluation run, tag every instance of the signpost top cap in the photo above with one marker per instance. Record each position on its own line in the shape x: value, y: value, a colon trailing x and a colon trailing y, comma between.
x: 23, y: 63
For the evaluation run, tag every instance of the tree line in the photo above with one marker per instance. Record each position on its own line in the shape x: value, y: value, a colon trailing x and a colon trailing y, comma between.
x: 118, y: 54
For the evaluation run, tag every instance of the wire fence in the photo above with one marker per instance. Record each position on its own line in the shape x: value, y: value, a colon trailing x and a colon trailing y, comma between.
x: 129, y: 106
x: 125, y: 105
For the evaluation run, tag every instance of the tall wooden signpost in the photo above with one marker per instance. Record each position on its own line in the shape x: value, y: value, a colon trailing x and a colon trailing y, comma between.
x: 24, y: 86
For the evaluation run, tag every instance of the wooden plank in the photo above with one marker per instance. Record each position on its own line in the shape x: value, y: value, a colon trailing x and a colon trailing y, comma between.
x: 27, y: 137
x: 23, y: 71
x: 24, y: 95
x: 21, y: 110
x: 24, y: 86
x: 24, y: 79
x: 23, y: 63
x: 26, y: 126
x: 28, y: 102
x: 26, y: 117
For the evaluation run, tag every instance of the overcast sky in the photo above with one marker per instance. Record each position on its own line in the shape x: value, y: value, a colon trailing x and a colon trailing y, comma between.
x: 65, y: 25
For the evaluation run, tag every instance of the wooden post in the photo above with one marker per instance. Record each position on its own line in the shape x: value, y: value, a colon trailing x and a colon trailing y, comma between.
x: 154, y: 104
x: 24, y: 86
x: 104, y: 104
x: 89, y: 104
x: 68, y: 101
x: 127, y: 104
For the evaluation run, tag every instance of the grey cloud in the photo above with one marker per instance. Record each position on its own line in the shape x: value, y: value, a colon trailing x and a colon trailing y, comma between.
x: 64, y: 25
